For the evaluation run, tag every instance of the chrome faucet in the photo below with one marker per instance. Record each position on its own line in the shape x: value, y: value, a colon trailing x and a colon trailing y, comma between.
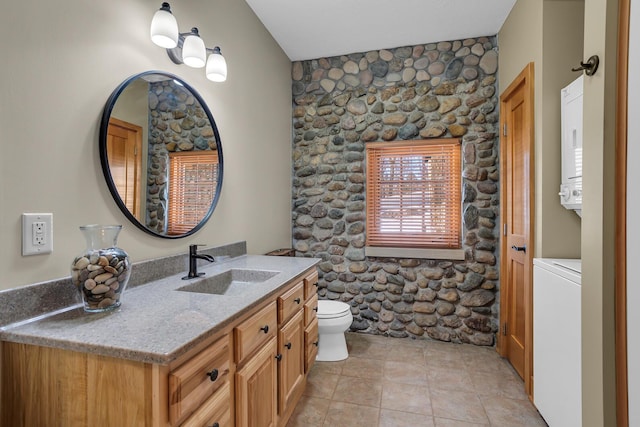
x: 193, y: 262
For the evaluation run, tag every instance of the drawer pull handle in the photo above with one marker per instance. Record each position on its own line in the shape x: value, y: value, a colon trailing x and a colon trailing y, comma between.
x: 315, y: 309
x: 265, y: 329
x: 213, y: 375
x: 297, y: 300
x: 288, y: 345
x: 278, y: 357
x: 316, y: 343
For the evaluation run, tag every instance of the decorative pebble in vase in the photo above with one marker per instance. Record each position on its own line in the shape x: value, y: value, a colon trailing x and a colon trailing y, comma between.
x: 102, y: 271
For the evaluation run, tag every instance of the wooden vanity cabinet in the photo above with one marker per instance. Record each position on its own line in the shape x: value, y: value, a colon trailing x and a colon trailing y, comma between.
x: 251, y: 372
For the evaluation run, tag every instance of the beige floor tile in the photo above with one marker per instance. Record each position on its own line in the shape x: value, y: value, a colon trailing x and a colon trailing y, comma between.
x: 359, y: 391
x: 443, y: 356
x: 334, y: 368
x: 401, y: 382
x: 458, y: 405
x: 367, y: 350
x: 321, y: 385
x: 512, y: 413
x: 406, y: 373
x: 310, y: 412
x: 449, y: 379
x: 407, y: 354
x: 490, y: 384
x: 343, y: 414
x: 390, y: 418
x: 444, y: 422
x: 489, y: 362
x: 363, y: 368
x: 406, y: 398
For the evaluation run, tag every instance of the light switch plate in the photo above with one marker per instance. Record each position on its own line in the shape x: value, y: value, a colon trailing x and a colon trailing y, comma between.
x: 37, y: 233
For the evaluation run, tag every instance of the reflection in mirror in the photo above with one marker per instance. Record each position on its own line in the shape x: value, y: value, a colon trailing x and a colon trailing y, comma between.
x: 161, y: 154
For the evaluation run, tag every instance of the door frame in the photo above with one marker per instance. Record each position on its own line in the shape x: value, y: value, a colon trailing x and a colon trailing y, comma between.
x: 526, y: 78
x: 622, y: 398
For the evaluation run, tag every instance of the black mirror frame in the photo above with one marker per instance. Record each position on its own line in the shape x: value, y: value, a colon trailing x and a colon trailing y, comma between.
x: 104, y: 161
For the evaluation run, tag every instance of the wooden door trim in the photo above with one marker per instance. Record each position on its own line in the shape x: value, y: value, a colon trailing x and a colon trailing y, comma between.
x: 526, y: 78
x: 622, y: 398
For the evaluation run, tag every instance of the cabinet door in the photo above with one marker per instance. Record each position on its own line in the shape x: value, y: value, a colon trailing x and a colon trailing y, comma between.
x: 310, y: 344
x: 291, y: 366
x: 256, y: 389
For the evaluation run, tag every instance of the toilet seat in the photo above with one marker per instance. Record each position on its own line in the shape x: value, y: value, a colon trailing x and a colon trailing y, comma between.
x: 332, y: 309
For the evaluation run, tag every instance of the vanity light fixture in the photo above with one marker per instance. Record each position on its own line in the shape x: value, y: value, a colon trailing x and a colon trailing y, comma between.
x: 186, y: 48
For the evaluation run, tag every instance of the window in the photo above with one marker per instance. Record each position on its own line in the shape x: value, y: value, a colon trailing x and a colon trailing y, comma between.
x: 193, y: 178
x: 414, y: 194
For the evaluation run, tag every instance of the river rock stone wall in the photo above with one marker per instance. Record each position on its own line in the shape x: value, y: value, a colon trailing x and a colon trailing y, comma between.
x: 446, y: 89
x: 177, y: 122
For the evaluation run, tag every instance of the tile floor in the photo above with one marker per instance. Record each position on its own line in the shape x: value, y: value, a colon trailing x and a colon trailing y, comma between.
x: 390, y: 382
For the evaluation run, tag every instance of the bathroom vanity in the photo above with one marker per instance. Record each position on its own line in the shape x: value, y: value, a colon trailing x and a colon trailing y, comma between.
x: 232, y: 348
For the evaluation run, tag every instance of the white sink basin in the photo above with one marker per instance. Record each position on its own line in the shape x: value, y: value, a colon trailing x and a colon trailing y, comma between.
x: 232, y: 282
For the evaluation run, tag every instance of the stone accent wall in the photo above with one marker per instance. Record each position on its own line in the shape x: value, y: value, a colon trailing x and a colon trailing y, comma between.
x: 445, y: 89
x: 177, y: 122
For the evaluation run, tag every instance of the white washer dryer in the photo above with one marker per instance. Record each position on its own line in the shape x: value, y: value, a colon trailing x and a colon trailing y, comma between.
x: 557, y: 360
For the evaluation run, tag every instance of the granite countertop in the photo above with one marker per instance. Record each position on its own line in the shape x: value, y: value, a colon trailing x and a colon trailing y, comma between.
x: 156, y: 323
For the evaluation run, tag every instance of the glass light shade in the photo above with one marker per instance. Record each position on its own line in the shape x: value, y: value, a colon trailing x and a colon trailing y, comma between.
x: 216, y: 67
x: 194, y: 53
x: 164, y: 29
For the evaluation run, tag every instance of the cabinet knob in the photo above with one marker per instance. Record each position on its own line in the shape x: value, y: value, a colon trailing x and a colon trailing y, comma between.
x: 265, y: 329
x: 297, y: 300
x: 215, y: 425
x: 316, y: 343
x: 315, y: 284
x: 315, y: 309
x: 288, y: 345
x: 213, y: 375
x: 278, y: 357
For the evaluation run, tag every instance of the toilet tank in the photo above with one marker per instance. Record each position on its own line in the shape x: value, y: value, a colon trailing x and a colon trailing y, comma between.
x: 571, y: 117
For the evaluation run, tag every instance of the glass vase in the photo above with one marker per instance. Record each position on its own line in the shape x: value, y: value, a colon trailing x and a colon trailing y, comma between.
x: 102, y: 271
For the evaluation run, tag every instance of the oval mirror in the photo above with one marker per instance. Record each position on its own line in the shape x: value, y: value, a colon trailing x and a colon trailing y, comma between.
x: 161, y: 154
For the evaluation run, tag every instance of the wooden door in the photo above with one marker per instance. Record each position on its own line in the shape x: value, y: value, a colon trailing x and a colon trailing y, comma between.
x: 291, y: 366
x: 256, y: 389
x: 124, y: 152
x: 516, y: 302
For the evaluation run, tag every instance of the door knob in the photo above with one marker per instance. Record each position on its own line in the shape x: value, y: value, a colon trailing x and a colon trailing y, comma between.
x: 519, y: 248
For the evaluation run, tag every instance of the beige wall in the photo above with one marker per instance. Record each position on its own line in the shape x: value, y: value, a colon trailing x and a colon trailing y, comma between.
x: 61, y: 62
x: 598, y: 346
x: 537, y: 31
x: 562, y: 45
x: 549, y: 34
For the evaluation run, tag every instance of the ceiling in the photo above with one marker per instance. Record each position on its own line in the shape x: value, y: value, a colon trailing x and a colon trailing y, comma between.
x: 311, y: 29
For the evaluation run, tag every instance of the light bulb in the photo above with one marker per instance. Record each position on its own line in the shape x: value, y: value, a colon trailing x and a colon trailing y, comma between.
x: 216, y: 66
x: 164, y: 28
x: 194, y: 53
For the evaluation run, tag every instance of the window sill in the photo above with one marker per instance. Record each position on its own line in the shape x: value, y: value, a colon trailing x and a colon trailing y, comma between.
x: 450, y: 254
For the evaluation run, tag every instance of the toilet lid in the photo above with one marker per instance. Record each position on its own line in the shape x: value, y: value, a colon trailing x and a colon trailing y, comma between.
x: 329, y: 309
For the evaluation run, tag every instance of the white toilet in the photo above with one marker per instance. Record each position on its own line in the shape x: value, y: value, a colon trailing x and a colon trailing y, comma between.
x: 334, y: 318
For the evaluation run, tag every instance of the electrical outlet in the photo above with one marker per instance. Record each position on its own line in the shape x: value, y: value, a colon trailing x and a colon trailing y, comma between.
x: 37, y: 233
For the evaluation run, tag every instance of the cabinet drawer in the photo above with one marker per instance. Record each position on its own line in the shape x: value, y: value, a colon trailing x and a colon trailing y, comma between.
x: 215, y: 411
x: 290, y: 302
x: 311, y: 309
x: 310, y: 345
x: 311, y: 284
x: 255, y: 331
x: 195, y: 380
